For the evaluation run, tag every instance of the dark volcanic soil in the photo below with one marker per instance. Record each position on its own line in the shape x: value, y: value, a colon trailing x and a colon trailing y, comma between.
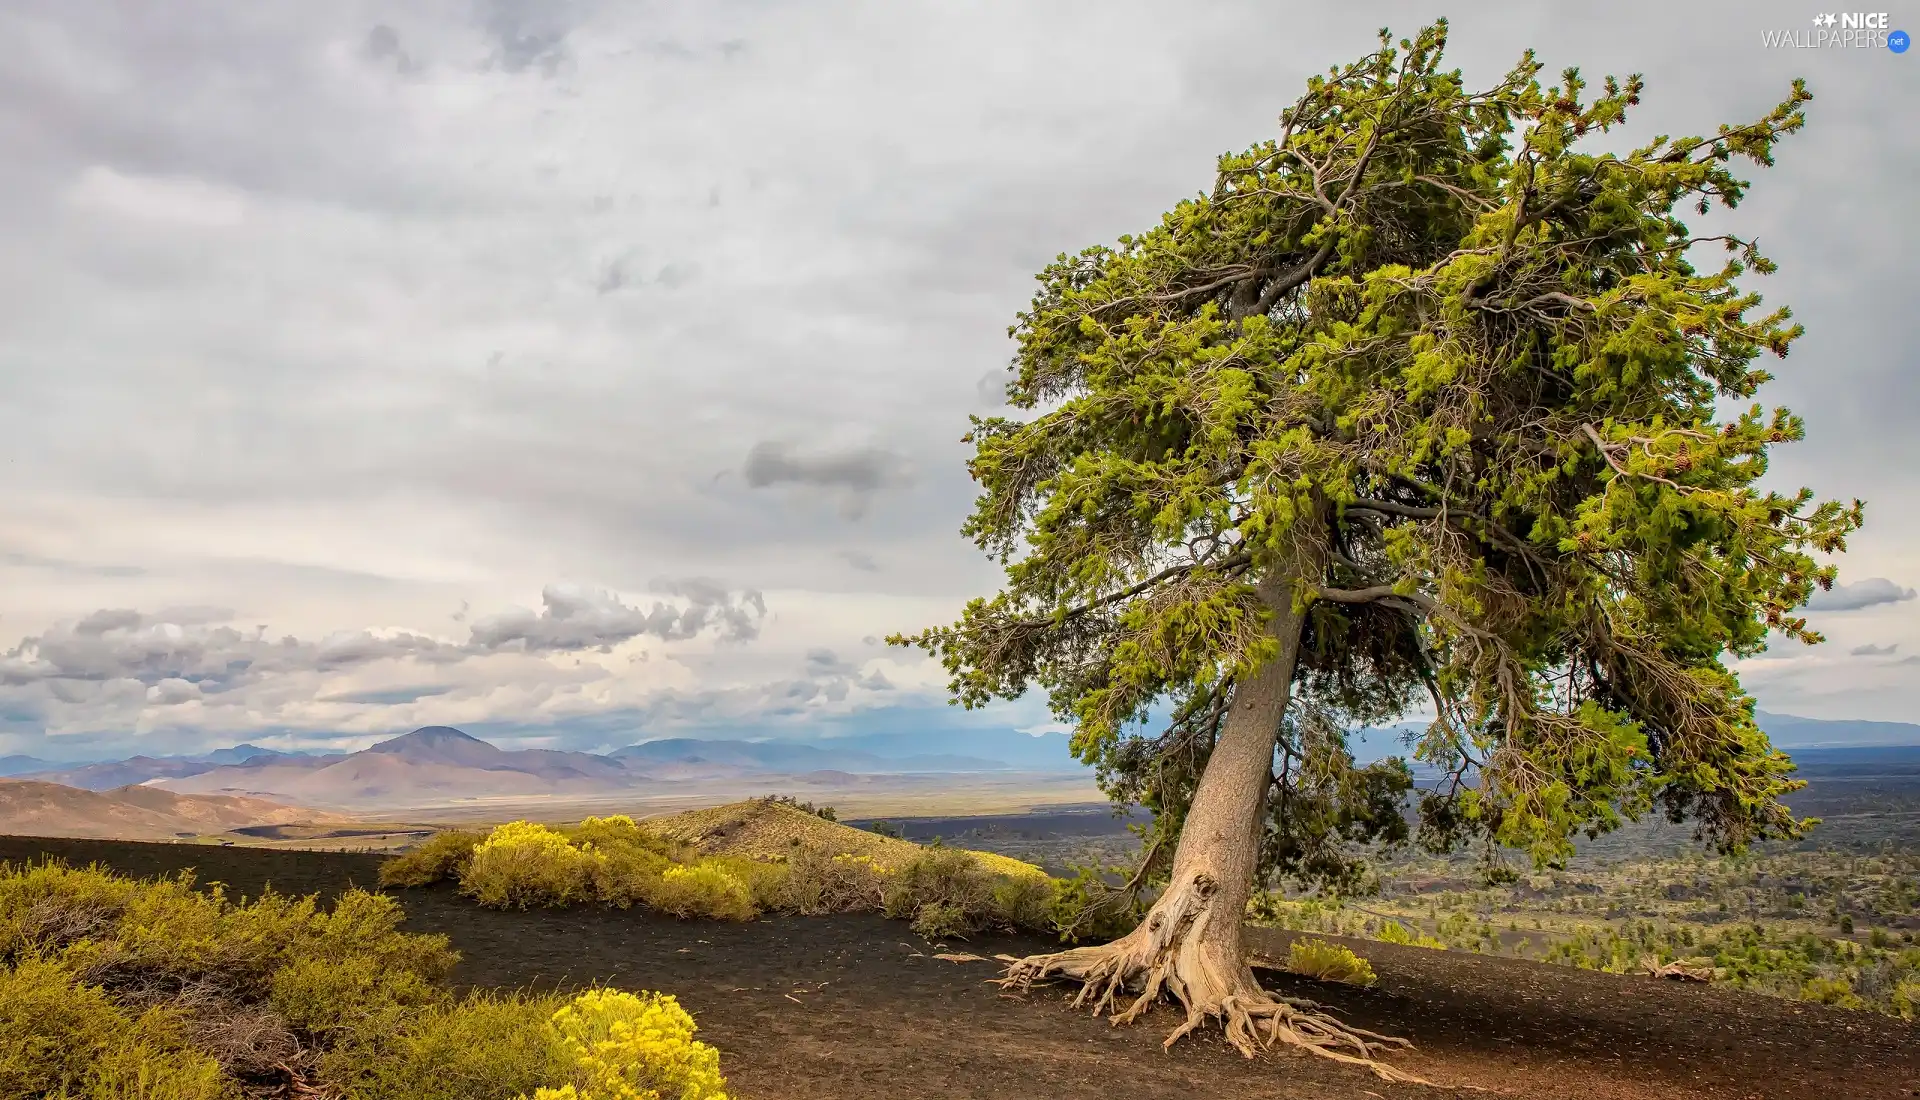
x: 855, y: 1008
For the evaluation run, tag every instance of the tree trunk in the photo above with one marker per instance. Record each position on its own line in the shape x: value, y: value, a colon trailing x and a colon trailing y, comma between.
x: 1191, y: 944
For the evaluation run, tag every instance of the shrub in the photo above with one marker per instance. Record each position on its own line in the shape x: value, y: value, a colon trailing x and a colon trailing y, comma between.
x: 1328, y: 962
x: 520, y: 865
x: 765, y: 880
x: 59, y: 1037
x: 819, y: 881
x: 945, y: 878
x: 632, y: 1047
x: 177, y: 994
x: 484, y: 1047
x: 1837, y: 992
x: 322, y: 996
x: 1087, y: 907
x: 1025, y: 901
x: 824, y: 813
x: 886, y: 828
x: 702, y: 890
x: 442, y: 857
x: 1394, y: 932
x: 1905, y: 1000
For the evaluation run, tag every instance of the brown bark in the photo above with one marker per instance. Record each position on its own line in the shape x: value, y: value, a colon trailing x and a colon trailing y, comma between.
x: 1191, y: 944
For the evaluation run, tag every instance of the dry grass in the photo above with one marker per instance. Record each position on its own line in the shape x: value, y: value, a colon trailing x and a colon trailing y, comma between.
x: 757, y: 829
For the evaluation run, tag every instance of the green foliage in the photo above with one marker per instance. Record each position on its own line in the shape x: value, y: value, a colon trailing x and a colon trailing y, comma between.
x: 1393, y: 931
x: 821, y: 881
x: 1328, y: 962
x: 945, y: 893
x: 60, y: 1037
x: 442, y: 857
x: 484, y: 1047
x: 886, y: 828
x: 112, y: 988
x: 1089, y: 907
x: 1454, y: 378
x: 1830, y: 991
x: 1736, y: 918
x: 703, y: 890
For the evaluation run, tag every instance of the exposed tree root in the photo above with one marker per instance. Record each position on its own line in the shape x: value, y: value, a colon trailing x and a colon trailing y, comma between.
x: 1171, y: 953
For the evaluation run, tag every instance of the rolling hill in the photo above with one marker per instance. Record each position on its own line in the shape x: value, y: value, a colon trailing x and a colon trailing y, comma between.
x: 32, y: 808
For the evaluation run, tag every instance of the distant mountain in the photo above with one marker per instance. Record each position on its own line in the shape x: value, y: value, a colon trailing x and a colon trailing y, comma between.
x: 240, y: 754
x: 32, y: 808
x: 431, y: 764
x: 120, y: 773
x: 439, y: 764
x: 1790, y: 732
x: 23, y: 765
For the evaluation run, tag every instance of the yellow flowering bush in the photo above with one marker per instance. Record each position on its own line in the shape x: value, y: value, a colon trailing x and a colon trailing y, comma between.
x: 703, y: 890
x: 629, y: 1046
x: 521, y: 864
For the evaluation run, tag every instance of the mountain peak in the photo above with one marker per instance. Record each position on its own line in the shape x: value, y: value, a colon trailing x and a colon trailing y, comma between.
x: 438, y: 744
x: 430, y: 735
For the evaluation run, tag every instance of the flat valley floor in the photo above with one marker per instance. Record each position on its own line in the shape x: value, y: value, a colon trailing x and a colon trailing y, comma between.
x: 856, y: 1008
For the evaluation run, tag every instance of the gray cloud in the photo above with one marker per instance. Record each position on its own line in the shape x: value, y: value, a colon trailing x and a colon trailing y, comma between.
x: 1852, y: 597
x: 860, y: 469
x: 855, y: 474
x: 529, y: 33
x: 579, y: 618
x: 383, y: 47
x: 859, y: 559
x: 1873, y: 650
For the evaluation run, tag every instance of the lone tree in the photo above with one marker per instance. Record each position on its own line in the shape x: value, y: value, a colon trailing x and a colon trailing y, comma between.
x: 1416, y: 407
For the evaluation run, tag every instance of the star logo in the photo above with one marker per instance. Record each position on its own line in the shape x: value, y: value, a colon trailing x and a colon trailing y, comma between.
x: 1826, y: 20
x: 1830, y: 19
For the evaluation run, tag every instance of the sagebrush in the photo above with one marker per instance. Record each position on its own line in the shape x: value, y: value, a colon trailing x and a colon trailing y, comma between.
x: 162, y: 990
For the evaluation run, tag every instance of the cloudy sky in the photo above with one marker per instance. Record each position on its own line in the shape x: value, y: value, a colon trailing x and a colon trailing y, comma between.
x: 581, y: 371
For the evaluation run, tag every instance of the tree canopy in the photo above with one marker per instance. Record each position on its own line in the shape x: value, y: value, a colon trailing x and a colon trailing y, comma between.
x: 1480, y: 376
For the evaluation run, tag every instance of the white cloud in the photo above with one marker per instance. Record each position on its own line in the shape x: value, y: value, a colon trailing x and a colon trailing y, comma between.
x: 185, y: 202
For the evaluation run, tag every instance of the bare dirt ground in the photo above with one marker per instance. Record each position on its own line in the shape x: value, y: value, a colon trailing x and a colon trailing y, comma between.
x: 856, y: 1008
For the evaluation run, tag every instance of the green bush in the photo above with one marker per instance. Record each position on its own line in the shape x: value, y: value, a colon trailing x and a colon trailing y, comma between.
x: 480, y: 1048
x: 112, y: 989
x: 948, y: 888
x: 702, y: 890
x: 819, y: 881
x: 59, y: 1037
x: 1837, y: 992
x: 442, y: 857
x: 1087, y: 907
x: 1394, y: 932
x: 765, y: 880
x: 1328, y: 962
